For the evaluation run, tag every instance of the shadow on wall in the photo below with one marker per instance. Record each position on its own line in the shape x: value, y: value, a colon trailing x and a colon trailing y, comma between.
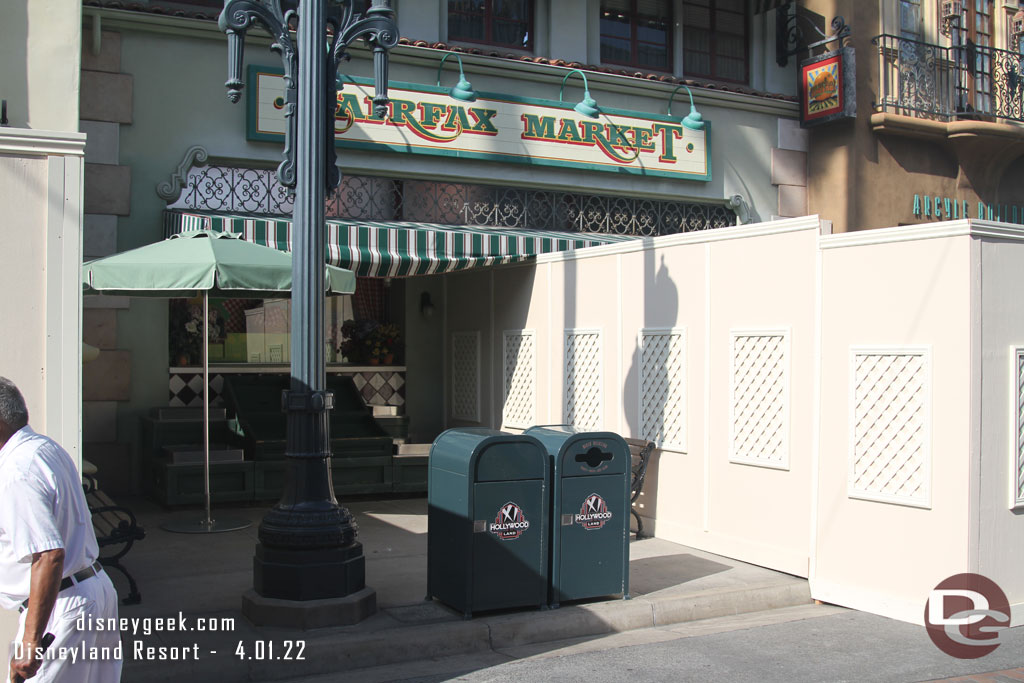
x: 648, y: 385
x: 516, y: 354
x: 424, y: 326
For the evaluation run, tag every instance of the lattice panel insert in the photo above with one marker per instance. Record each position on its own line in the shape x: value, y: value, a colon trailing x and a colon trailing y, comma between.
x: 520, y: 380
x: 583, y: 383
x: 663, y: 387
x: 759, y: 392
x: 1017, y: 475
x: 890, y: 452
x: 466, y: 376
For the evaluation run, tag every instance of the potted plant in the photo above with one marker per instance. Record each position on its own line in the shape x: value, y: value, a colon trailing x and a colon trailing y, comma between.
x: 356, y: 340
x: 368, y: 341
x: 186, y: 337
x: 387, y: 340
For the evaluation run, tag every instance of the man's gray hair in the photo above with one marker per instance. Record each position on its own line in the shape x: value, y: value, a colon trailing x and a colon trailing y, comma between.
x: 13, y: 411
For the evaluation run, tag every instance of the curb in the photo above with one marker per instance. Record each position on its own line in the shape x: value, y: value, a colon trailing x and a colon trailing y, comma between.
x: 347, y: 651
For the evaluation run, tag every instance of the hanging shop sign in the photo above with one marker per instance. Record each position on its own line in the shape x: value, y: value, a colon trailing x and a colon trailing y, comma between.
x: 427, y: 120
x: 827, y: 86
x: 947, y: 208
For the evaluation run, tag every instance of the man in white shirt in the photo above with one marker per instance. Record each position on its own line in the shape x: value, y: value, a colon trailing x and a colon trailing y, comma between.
x: 48, y: 558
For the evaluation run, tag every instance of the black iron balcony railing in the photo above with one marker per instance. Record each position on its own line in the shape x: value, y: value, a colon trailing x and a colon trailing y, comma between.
x: 945, y: 83
x: 257, y: 190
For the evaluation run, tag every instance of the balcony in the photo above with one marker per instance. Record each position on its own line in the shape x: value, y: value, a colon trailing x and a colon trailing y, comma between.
x: 969, y: 99
x: 956, y: 83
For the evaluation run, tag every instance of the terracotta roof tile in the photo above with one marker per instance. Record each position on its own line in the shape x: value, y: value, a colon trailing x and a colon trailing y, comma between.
x: 663, y: 78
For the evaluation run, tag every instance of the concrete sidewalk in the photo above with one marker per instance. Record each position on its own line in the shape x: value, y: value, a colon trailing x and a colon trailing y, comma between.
x: 204, y: 576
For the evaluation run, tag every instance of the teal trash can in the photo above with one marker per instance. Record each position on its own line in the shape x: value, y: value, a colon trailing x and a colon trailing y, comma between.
x: 589, y: 513
x: 487, y: 539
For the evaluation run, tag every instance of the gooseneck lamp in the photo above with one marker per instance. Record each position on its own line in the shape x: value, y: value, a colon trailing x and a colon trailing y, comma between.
x: 693, y: 120
x: 462, y: 90
x: 587, y: 106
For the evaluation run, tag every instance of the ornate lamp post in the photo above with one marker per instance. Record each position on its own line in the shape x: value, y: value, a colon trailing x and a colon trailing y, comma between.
x: 307, y: 546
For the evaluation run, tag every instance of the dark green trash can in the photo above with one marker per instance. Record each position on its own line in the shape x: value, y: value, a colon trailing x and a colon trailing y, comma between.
x: 589, y: 513
x: 487, y: 538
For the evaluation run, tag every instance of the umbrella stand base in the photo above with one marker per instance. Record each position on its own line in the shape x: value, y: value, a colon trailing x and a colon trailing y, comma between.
x: 194, y: 524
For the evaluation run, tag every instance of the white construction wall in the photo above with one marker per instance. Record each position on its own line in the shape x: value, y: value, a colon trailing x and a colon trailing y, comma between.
x: 40, y: 197
x: 845, y: 408
x: 640, y: 338
x: 998, y: 494
x: 41, y: 229
x: 894, y: 473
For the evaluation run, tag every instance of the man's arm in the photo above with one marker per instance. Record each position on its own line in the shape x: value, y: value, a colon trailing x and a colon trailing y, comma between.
x: 47, y: 569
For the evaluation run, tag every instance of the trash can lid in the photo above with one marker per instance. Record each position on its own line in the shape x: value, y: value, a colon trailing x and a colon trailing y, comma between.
x: 583, y: 453
x: 489, y: 455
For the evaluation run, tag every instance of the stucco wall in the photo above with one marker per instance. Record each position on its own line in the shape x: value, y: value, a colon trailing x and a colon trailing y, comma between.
x: 39, y: 48
x: 25, y: 177
x: 886, y: 161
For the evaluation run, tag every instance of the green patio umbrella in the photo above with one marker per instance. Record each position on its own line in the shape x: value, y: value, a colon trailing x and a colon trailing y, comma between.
x: 208, y: 263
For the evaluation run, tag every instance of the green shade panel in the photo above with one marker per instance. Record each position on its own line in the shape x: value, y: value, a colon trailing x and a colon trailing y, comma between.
x: 398, y: 248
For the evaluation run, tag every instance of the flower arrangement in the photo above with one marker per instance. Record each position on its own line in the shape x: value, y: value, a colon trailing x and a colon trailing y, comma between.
x: 370, y: 341
x: 186, y: 332
x: 386, y: 342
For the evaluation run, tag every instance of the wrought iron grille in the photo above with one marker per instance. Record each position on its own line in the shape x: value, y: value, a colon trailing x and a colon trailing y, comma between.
x: 944, y: 83
x: 256, y: 191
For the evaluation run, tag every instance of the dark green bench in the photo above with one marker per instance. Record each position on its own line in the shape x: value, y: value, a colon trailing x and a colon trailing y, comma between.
x: 116, y: 529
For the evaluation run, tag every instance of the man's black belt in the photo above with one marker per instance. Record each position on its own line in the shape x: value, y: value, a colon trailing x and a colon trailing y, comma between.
x: 69, y: 581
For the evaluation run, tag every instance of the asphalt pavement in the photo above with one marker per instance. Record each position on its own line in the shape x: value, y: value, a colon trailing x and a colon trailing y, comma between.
x: 813, y: 644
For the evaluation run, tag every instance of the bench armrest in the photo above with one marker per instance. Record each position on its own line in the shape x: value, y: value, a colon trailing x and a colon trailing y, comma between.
x: 129, y: 527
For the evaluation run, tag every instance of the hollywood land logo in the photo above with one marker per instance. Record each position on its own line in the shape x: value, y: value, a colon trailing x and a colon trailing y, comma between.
x: 510, y: 523
x: 594, y: 513
x: 966, y: 614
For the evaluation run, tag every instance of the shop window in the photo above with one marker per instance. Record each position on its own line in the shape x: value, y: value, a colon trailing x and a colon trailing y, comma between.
x: 637, y: 33
x: 507, y: 23
x: 259, y: 330
x: 910, y: 19
x: 1014, y: 40
x: 972, y: 43
x: 715, y: 40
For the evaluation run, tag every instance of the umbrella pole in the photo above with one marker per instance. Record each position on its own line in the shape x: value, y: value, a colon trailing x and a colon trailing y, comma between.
x: 207, y: 524
x: 206, y: 405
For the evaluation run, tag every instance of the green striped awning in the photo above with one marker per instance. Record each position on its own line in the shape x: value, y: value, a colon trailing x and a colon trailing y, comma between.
x: 398, y: 249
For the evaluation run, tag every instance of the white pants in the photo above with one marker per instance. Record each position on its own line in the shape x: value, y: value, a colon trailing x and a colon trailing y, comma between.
x: 92, y: 599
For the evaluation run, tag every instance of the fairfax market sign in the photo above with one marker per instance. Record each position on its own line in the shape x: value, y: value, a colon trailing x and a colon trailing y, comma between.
x: 424, y: 119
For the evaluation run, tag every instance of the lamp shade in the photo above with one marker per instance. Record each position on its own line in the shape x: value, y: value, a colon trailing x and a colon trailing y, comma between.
x: 587, y: 106
x: 462, y: 90
x: 693, y: 120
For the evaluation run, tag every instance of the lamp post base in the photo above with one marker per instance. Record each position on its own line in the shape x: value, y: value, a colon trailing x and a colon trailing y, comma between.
x: 307, y: 614
x: 302, y: 575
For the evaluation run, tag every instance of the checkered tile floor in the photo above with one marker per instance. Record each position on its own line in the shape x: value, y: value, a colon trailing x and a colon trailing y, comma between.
x: 378, y: 388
